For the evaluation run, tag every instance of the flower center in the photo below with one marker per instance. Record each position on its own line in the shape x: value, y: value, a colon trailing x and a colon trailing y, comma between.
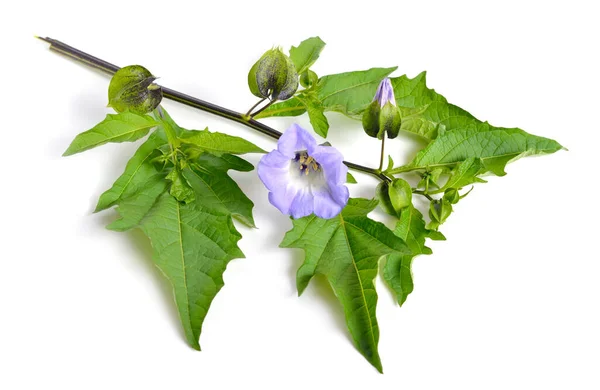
x: 306, y: 163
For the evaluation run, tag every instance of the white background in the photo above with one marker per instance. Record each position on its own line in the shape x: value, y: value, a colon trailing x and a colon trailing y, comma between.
x: 510, y: 300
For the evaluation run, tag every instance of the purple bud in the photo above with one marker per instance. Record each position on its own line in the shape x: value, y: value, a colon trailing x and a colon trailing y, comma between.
x: 385, y: 93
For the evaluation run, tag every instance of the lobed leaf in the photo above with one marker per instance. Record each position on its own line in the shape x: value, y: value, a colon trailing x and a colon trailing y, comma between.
x: 208, y: 177
x: 397, y: 269
x: 192, y: 246
x: 346, y: 250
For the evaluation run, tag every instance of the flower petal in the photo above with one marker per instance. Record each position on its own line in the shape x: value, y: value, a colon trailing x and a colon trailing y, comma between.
x: 303, y: 204
x: 283, y: 198
x: 339, y: 194
x: 332, y: 162
x: 385, y: 92
x: 325, y: 206
x: 295, y: 138
x: 274, y: 170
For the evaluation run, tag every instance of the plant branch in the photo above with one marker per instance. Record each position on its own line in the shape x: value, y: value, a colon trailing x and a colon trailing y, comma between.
x: 264, y: 108
x: 191, y: 101
x: 382, y: 150
x: 254, y: 106
x: 423, y: 193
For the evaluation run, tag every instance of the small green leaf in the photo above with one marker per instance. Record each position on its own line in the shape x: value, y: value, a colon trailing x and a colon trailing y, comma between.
x: 307, y: 52
x: 218, y: 143
x: 397, y: 269
x: 465, y: 173
x: 123, y: 127
x: 317, y: 118
x: 390, y: 163
x: 180, y: 189
x: 350, y: 179
x: 346, y: 249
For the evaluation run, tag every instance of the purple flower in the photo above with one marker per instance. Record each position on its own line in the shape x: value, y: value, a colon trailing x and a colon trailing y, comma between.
x: 303, y: 177
x: 385, y: 93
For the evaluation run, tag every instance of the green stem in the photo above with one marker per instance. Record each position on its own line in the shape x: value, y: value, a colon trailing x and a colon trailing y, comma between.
x: 182, y: 98
x: 423, y: 193
x: 395, y: 171
x: 264, y: 108
x: 382, y: 149
x: 254, y: 106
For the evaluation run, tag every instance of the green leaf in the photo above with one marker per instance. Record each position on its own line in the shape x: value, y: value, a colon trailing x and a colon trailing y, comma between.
x: 350, y: 179
x: 465, y: 173
x: 397, y: 269
x: 180, y: 189
x: 192, y: 246
x: 346, y: 250
x: 351, y: 92
x: 138, y: 172
x: 307, y: 52
x: 208, y: 177
x: 290, y: 107
x: 317, y: 118
x: 494, y: 146
x: 348, y: 93
x: 135, y: 207
x: 122, y: 127
x: 423, y: 110
x: 218, y: 143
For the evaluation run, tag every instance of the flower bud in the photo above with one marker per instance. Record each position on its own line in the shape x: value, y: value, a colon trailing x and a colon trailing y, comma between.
x: 382, y: 116
x: 273, y: 76
x: 132, y: 89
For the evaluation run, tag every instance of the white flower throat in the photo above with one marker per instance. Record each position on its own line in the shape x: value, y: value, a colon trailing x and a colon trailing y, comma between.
x: 306, y: 171
x: 306, y: 163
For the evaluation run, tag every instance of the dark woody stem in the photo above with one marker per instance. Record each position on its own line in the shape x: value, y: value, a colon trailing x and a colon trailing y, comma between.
x: 223, y: 112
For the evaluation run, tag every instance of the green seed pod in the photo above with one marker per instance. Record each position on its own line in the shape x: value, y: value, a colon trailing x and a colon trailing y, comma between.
x: 394, y: 197
x: 308, y: 79
x: 383, y: 196
x: 452, y: 195
x: 382, y: 116
x: 400, y: 195
x: 132, y: 89
x: 273, y: 76
x: 439, y: 211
